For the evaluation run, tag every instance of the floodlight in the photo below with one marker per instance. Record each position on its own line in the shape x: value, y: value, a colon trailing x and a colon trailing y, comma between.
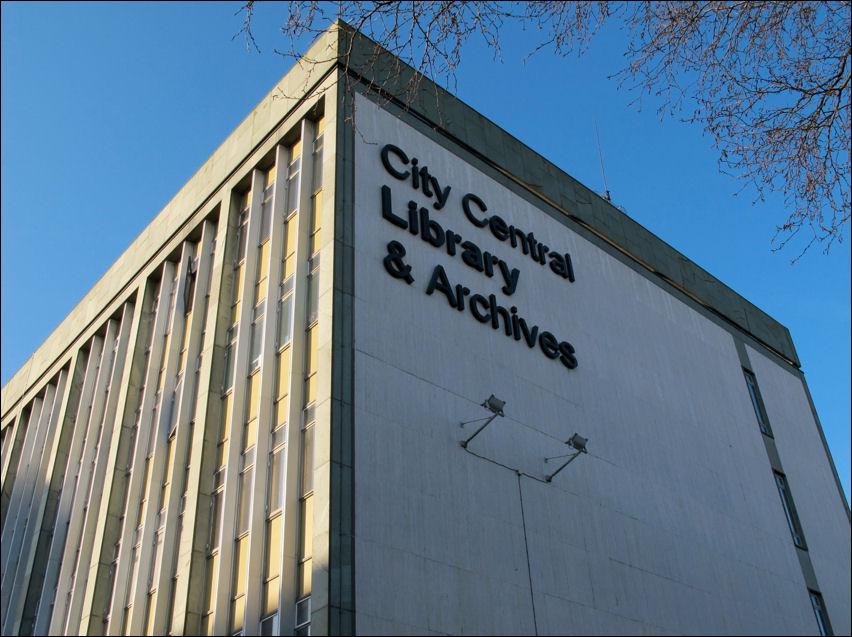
x: 492, y: 404
x: 577, y: 442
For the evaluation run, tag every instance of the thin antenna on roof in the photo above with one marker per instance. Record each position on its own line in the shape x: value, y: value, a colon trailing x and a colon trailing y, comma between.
x: 600, y: 153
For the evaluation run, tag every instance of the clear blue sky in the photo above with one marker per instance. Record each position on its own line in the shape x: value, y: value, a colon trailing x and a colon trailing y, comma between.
x: 108, y: 108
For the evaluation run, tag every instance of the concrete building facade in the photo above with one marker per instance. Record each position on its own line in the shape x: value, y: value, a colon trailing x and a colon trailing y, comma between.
x: 331, y: 387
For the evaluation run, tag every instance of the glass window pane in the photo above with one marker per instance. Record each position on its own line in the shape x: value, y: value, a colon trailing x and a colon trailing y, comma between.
x: 295, y: 153
x: 311, y: 388
x: 283, y: 386
x: 170, y: 460
x: 273, y: 551
x: 757, y: 403
x: 240, y: 566
x: 276, y: 482
x: 311, y: 363
x: 225, y: 429
x: 307, y: 527
x: 250, y: 434
x: 308, y: 460
x: 310, y: 414
x: 819, y: 611
x: 235, y: 312
x: 270, y: 598
x: 318, y: 164
x: 315, y: 242
x: 215, y: 522
x: 790, y: 511
x: 265, y: 215
x: 245, y: 502
x: 290, y: 245
x: 304, y: 585
x: 210, y: 583
x: 158, y: 555
x: 164, y: 496
x: 152, y: 603
x: 269, y: 626
x: 316, y: 216
x: 289, y: 266
x: 303, y: 611
x: 222, y: 453
x: 260, y: 291
x: 238, y: 611
x: 238, y: 282
x: 256, y: 339
x: 228, y: 380
x: 186, y: 325
x: 313, y: 296
x: 245, y: 200
x: 293, y: 193
x: 279, y: 436
x: 147, y: 478
x: 281, y: 409
x: 242, y: 239
x: 284, y: 320
x: 263, y: 262
x: 253, y: 395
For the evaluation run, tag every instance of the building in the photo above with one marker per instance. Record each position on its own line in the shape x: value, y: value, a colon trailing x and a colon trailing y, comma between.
x: 329, y: 390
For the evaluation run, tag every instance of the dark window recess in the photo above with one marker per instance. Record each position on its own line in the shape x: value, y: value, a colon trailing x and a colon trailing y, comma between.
x: 821, y: 615
x: 757, y: 403
x: 790, y: 511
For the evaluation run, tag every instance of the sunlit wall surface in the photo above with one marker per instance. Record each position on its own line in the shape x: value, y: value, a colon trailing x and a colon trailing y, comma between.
x: 160, y: 480
x: 267, y: 417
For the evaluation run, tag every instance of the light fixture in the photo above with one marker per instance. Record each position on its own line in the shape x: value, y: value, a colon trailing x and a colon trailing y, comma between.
x: 492, y: 404
x: 575, y: 442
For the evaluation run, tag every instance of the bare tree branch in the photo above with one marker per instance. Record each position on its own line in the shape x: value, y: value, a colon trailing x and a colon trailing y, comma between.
x: 768, y: 80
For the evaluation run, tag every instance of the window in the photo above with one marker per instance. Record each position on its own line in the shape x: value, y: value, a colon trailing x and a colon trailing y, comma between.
x: 266, y: 206
x: 269, y: 626
x: 242, y: 231
x: 293, y: 177
x: 757, y: 403
x: 290, y: 237
x: 244, y: 512
x: 238, y: 293
x: 257, y: 334
x: 250, y: 430
x: 790, y: 510
x: 275, y: 496
x: 303, y: 616
x: 190, y: 277
x: 262, y: 272
x: 313, y: 288
x: 819, y: 611
x: 152, y: 604
x: 272, y: 582
x: 185, y: 341
x: 285, y: 312
x: 167, y: 477
x: 230, y: 356
x: 238, y: 604
x: 314, y: 240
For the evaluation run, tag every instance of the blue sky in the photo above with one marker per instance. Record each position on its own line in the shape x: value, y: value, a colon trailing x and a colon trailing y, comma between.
x: 108, y: 108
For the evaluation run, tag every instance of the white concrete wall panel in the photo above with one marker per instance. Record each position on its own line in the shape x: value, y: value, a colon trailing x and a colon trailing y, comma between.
x: 819, y: 502
x: 670, y: 525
